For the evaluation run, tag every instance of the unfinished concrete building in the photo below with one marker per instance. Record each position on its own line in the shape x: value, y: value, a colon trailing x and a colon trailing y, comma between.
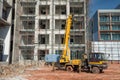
x: 40, y: 27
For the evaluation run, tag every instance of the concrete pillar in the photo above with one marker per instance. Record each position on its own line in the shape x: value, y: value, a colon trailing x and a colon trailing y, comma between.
x: 36, y: 42
x: 85, y: 36
x: 1, y: 6
x: 52, y: 26
x: 67, y: 7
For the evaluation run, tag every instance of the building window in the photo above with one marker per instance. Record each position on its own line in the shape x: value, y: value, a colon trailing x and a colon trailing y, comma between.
x: 27, y: 39
x: 63, y: 26
x: 1, y: 51
x: 60, y: 9
x: 42, y: 26
x: 115, y: 18
x: 104, y: 18
x: 62, y: 40
x: 43, y: 12
x: 105, y: 36
x: 29, y: 10
x: 28, y: 24
x: 104, y: 27
x: 116, y: 27
x: 58, y: 52
x: 41, y: 54
x: 116, y: 36
x: 44, y: 9
x: 27, y: 54
x: 43, y: 39
x: 71, y: 41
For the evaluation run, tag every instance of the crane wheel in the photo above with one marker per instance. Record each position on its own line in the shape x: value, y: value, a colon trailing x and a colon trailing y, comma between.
x: 69, y: 68
x: 95, y: 70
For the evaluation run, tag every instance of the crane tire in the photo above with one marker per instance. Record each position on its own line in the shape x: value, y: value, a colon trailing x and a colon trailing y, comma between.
x: 95, y: 70
x: 69, y: 68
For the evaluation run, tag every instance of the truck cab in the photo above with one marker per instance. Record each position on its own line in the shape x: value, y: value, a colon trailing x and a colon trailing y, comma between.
x: 96, y: 62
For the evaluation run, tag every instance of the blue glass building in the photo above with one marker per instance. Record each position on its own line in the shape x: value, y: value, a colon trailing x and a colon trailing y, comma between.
x: 106, y: 25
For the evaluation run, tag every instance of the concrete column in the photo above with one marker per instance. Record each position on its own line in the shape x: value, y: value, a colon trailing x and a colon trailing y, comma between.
x: 52, y: 26
x: 1, y: 6
x: 68, y: 7
x: 36, y: 31
x: 85, y: 16
x: 50, y: 41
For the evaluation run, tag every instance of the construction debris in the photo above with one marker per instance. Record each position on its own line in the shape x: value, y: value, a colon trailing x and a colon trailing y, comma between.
x: 7, y: 70
x: 13, y: 70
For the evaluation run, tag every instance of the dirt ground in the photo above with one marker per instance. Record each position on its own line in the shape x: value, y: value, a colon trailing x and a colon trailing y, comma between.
x: 46, y: 73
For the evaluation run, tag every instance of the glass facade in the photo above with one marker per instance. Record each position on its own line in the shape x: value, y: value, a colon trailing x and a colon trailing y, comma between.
x: 109, y: 26
x: 105, y: 36
x: 115, y: 18
x: 104, y: 19
x: 104, y: 27
x: 116, y: 27
x: 110, y: 36
x: 116, y: 36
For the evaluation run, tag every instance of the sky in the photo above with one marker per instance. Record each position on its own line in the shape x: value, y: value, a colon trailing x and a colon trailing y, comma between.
x: 102, y: 4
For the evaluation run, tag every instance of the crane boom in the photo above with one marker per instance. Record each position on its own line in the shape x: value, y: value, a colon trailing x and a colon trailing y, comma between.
x: 66, y: 51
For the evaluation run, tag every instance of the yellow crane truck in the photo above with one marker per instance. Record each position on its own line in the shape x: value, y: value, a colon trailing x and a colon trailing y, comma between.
x: 92, y: 62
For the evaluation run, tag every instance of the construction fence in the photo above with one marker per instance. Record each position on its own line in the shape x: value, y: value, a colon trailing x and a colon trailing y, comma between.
x: 111, y: 48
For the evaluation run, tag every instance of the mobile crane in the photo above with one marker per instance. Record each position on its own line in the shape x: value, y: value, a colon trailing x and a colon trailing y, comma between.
x: 93, y: 62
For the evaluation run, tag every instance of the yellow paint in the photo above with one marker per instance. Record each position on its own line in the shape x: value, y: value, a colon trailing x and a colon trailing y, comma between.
x: 76, y: 62
x: 99, y: 62
x: 66, y: 51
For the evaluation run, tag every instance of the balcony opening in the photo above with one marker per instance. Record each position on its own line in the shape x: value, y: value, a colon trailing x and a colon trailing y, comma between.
x: 41, y: 54
x: 62, y: 40
x: 60, y: 9
x: 59, y: 39
x: 79, y: 23
x: 63, y: 26
x: 44, y: 24
x: 43, y: 39
x: 71, y: 41
x: 28, y: 24
x: 77, y: 39
x: 60, y: 24
x: 29, y: 10
x: 27, y: 39
x: 27, y: 54
x: 44, y: 9
x: 77, y: 8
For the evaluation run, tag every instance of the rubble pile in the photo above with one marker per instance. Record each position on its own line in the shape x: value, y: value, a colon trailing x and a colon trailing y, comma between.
x: 6, y: 70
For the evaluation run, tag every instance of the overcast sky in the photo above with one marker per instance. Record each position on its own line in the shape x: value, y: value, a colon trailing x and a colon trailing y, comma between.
x: 102, y: 4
